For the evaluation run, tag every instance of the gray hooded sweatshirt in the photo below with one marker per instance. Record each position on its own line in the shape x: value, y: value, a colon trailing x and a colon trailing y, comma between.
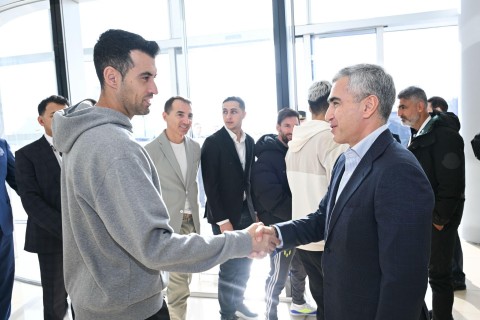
x: 116, y: 232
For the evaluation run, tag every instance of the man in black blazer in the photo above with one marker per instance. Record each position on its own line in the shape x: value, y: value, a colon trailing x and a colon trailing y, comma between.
x: 226, y: 161
x: 38, y: 178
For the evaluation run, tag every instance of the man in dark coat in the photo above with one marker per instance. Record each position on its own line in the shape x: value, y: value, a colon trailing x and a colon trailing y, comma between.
x: 273, y: 202
x: 439, y: 148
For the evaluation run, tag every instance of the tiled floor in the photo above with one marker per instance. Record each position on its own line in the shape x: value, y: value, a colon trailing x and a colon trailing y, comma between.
x: 27, y: 299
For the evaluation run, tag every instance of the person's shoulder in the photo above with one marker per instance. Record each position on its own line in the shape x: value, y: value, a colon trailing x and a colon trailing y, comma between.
x: 218, y: 135
x: 32, y: 146
x: 249, y: 138
x: 153, y: 143
x: 194, y: 144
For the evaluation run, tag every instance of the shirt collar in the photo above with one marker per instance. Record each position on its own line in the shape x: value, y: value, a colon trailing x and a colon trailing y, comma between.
x: 423, y: 125
x: 234, y: 136
x: 49, y: 139
x: 362, y: 147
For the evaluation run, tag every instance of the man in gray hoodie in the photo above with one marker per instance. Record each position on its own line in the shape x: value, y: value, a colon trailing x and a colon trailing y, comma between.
x: 116, y: 231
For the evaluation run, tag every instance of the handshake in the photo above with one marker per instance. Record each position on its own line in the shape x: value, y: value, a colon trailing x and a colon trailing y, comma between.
x: 264, y: 240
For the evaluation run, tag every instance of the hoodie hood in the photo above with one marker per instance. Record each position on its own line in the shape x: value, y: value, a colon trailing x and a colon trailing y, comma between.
x: 447, y: 119
x: 269, y: 142
x: 303, y: 133
x: 441, y: 119
x: 70, y: 123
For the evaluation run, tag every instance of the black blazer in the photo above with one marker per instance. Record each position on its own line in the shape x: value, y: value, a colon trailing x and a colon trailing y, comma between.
x: 224, y: 179
x: 38, y: 177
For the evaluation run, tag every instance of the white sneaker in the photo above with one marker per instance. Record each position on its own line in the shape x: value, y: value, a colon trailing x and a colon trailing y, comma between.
x: 302, y: 309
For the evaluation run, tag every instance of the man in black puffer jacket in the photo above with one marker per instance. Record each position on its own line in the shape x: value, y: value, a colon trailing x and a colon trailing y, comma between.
x: 439, y: 148
x: 273, y: 203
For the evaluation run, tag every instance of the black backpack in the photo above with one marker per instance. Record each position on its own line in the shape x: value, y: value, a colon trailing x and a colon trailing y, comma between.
x: 476, y: 146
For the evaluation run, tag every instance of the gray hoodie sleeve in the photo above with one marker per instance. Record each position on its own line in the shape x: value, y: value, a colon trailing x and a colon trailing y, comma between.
x: 135, y: 217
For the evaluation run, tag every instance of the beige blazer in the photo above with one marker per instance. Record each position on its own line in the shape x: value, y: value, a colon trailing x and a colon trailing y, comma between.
x: 174, y: 189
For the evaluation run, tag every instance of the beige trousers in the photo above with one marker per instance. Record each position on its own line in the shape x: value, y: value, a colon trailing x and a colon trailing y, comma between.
x: 178, y: 289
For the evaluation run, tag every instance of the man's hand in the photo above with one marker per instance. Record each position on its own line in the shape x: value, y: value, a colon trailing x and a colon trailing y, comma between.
x: 264, y: 240
x: 227, y: 226
x: 439, y: 227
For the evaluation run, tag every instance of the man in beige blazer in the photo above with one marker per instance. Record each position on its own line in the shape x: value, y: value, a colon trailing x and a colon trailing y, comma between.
x: 176, y: 158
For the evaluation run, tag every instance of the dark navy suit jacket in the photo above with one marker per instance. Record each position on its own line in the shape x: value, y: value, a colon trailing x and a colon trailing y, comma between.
x: 7, y: 174
x: 38, y: 178
x: 377, y: 244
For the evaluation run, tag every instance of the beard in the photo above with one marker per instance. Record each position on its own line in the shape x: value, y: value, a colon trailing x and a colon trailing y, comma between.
x: 285, y: 138
x: 410, y: 122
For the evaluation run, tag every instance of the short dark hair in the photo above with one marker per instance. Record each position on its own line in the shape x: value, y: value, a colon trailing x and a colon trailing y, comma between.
x: 438, y: 102
x: 113, y: 49
x: 413, y: 92
x: 42, y: 106
x: 168, y: 104
x: 237, y: 99
x: 286, y: 113
x: 318, y: 97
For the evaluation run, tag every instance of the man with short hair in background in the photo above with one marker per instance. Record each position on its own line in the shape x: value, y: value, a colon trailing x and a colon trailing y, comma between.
x: 273, y: 202
x: 38, y: 178
x: 310, y: 159
x: 438, y: 147
x: 176, y: 157
x: 227, y: 158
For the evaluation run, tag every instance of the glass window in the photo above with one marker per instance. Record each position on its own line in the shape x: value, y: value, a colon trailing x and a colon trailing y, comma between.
x: 427, y: 58
x: 330, y: 54
x: 226, y: 16
x: 27, y: 76
x: 219, y: 67
x: 149, y: 18
x: 322, y: 11
x: 247, y: 71
x: 17, y: 40
x: 31, y: 62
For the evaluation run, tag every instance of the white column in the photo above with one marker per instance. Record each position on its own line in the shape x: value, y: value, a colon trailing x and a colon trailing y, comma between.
x: 469, y: 112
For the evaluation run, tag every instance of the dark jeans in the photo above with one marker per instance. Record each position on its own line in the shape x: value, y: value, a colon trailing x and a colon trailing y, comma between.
x: 440, y: 271
x: 234, y: 274
x: 162, y: 314
x: 7, y: 273
x: 312, y: 262
x: 457, y: 263
x: 55, y: 303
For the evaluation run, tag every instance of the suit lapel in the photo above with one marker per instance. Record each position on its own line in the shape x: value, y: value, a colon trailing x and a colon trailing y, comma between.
x: 248, y: 157
x: 230, y: 146
x: 190, y: 163
x: 167, y: 150
x: 46, y: 154
x: 358, y: 176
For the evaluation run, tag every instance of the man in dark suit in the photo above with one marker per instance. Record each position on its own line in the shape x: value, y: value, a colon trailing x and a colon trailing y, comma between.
x: 7, y: 258
x: 38, y: 178
x: 376, y: 215
x: 438, y: 147
x: 226, y: 161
